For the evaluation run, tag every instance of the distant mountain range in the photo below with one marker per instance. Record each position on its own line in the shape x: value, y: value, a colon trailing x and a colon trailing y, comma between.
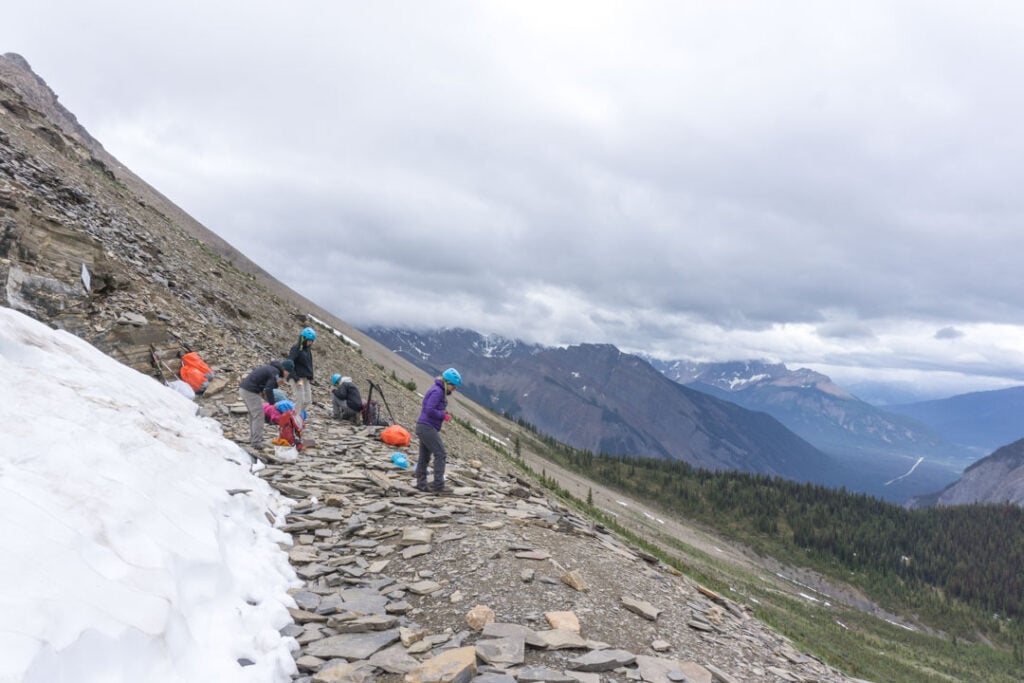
x: 985, y: 419
x: 596, y: 397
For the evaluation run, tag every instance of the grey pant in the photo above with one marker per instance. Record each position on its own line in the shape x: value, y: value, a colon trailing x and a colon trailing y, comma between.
x: 254, y: 404
x: 302, y: 394
x: 430, y: 443
x: 342, y: 411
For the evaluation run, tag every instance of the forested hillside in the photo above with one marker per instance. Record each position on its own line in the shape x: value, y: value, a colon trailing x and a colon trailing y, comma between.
x: 957, y: 565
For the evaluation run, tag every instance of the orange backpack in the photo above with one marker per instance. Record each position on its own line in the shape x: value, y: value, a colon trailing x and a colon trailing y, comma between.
x: 396, y: 435
x: 195, y: 372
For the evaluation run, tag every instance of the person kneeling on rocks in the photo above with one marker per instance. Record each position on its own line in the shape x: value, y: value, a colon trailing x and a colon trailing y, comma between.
x: 346, y: 399
x: 428, y: 430
x: 258, y: 386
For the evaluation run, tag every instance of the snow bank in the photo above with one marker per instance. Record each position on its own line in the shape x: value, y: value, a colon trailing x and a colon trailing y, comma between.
x: 123, y: 557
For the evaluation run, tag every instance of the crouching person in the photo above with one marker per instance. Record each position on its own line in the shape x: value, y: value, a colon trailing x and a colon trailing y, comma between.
x: 258, y: 387
x: 346, y: 399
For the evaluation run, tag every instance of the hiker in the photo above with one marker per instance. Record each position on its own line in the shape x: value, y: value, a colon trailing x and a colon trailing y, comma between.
x: 256, y: 388
x: 346, y: 399
x: 301, y: 381
x: 428, y: 430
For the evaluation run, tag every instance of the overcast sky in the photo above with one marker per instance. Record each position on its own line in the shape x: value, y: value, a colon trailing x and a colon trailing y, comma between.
x: 831, y: 185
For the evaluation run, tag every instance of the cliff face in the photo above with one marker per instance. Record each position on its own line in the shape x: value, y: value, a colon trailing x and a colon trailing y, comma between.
x: 998, y: 478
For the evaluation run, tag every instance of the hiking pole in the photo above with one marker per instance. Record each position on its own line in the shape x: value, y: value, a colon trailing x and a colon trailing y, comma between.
x: 154, y: 359
x: 382, y: 397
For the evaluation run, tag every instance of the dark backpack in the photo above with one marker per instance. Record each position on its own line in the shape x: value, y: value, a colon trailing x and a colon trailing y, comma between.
x: 372, y: 416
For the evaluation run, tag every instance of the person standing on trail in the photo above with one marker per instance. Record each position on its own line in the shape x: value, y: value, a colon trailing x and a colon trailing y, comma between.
x: 428, y: 430
x: 258, y: 387
x: 346, y: 399
x: 301, y: 381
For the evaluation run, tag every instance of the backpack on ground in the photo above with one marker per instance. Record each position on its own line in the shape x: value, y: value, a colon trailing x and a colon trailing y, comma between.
x: 372, y: 416
x: 371, y: 409
x: 195, y: 372
x: 396, y: 435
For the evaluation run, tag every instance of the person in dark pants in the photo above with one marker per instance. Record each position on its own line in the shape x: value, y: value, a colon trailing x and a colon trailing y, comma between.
x: 428, y: 430
x: 301, y: 381
x: 346, y: 399
x: 258, y: 387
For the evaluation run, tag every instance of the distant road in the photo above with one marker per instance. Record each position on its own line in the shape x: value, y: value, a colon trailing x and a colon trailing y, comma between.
x: 908, y: 472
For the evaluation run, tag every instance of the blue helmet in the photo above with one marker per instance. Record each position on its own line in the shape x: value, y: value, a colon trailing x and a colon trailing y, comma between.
x: 285, y: 406
x: 452, y: 376
x: 309, y: 333
x: 335, y: 378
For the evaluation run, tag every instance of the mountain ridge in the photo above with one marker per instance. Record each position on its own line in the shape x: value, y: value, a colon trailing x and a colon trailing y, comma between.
x: 598, y: 398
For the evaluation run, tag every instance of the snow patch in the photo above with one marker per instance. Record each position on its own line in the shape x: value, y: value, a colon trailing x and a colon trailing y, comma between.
x: 136, y: 545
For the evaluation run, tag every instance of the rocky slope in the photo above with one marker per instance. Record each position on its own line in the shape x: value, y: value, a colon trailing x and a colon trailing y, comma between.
x: 496, y: 580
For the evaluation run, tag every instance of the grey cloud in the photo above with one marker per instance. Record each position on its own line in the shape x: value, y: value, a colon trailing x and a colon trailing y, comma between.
x: 500, y: 174
x: 847, y: 330
x: 948, y: 333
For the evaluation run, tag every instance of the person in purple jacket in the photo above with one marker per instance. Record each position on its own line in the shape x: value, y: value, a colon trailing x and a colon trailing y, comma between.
x: 428, y: 430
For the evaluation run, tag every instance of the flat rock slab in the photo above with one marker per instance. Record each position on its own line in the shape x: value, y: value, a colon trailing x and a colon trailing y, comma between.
x: 373, y: 622
x: 640, y: 607
x: 543, y: 674
x: 494, y: 678
x: 565, y: 621
x: 394, y: 660
x: 558, y: 639
x: 345, y: 673
x: 533, y: 555
x: 575, y: 580
x: 453, y: 666
x: 662, y: 670
x: 603, y: 660
x: 416, y: 550
x: 416, y: 536
x: 352, y: 646
x: 505, y: 630
x: 303, y: 554
x: 511, y: 650
x: 330, y: 514
x: 424, y: 587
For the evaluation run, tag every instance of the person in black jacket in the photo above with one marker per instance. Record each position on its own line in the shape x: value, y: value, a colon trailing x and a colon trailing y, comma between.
x: 258, y: 386
x: 301, y: 381
x: 346, y: 399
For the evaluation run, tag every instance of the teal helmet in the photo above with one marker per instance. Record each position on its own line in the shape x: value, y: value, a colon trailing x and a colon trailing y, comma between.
x: 335, y: 378
x: 309, y: 333
x: 285, y: 406
x: 452, y: 376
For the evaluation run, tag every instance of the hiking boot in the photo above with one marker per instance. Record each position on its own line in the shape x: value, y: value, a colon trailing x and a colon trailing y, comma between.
x: 422, y: 486
x: 441, y: 489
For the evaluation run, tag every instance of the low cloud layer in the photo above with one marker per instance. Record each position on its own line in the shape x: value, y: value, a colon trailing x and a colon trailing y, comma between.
x: 815, y: 185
